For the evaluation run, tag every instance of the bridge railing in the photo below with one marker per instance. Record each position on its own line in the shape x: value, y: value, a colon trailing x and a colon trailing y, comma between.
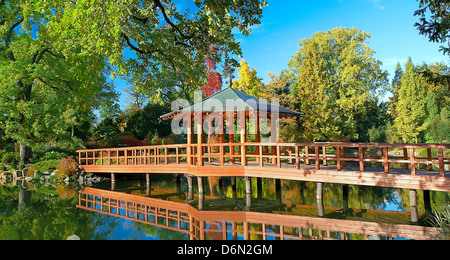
x: 431, y: 157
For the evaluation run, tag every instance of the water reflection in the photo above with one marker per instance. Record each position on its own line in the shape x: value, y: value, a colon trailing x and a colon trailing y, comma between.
x: 237, y: 208
x: 166, y: 207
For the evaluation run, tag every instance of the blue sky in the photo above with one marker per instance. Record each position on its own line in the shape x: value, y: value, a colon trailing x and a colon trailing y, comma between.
x: 286, y: 22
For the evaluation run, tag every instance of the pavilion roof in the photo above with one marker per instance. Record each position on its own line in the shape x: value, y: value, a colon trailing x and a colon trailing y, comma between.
x: 232, y: 100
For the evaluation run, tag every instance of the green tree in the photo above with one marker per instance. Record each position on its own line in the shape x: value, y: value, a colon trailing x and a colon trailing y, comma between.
x: 168, y: 41
x: 434, y: 23
x: 411, y: 105
x: 334, y: 74
x: 147, y: 121
x: 44, y: 87
x: 248, y: 81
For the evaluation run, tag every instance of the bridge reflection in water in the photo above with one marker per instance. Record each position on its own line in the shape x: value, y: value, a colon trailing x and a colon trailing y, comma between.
x: 244, y: 225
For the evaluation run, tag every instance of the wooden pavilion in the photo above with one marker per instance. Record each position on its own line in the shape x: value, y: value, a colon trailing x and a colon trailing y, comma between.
x: 222, y: 112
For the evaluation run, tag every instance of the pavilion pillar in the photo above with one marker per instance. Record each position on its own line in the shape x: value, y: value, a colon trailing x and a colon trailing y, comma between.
x: 243, y: 132
x: 199, y: 126
x: 221, y: 128
x: 257, y: 135
x: 273, y: 134
x: 230, y: 119
x: 190, y: 139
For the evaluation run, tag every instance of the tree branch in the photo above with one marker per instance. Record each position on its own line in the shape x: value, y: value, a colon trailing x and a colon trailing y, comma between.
x: 8, y: 37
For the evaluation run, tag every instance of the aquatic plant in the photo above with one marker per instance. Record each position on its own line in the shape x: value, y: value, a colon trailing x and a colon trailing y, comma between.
x: 441, y: 221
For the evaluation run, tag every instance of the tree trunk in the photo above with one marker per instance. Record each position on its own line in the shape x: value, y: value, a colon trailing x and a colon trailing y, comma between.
x: 23, y: 152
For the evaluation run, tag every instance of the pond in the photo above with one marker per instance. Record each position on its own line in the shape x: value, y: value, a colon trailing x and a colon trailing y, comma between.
x: 168, y: 210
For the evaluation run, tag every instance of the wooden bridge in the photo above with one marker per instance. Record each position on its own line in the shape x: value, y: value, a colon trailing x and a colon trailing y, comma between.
x: 412, y: 166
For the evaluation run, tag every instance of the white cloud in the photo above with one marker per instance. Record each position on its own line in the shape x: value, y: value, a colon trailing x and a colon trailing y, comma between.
x: 378, y: 5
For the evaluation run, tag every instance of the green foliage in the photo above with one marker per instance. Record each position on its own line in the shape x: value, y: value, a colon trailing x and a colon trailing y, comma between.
x: 47, y: 165
x: 411, y: 105
x: 435, y: 21
x: 48, y: 80
x: 420, y: 107
x: 248, y: 81
x: 147, y: 121
x: 10, y: 158
x: 171, y: 44
x: 334, y: 75
x: 59, y: 149
x: 441, y: 221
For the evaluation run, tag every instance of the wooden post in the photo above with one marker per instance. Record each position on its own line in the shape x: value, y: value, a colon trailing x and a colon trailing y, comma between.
x: 230, y: 119
x: 430, y: 165
x: 190, y: 135
x: 222, y: 155
x: 257, y: 136
x: 307, y: 155
x: 338, y: 158
x: 113, y: 177
x: 385, y: 160
x: 361, y: 159
x: 278, y: 148
x: 243, y: 131
x: 413, y: 204
x: 297, y: 159
x: 199, y: 125
x: 324, y: 153
x: 273, y: 135
x: 405, y: 157
x: 261, y: 161
x: 412, y: 160
x: 200, y: 185
x: 319, y: 198
x: 166, y: 153
x: 248, y: 185
x: 441, y: 162
x: 316, y: 158
x: 148, y: 184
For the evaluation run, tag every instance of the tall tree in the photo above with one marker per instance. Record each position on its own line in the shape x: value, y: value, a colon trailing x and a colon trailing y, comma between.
x: 334, y: 74
x: 248, y: 81
x: 411, y: 105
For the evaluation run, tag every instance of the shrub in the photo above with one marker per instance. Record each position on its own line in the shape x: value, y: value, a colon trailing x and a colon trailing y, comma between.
x: 10, y: 157
x: 67, y: 167
x: 30, y: 172
x: 54, y: 155
x: 2, y: 168
x: 47, y: 165
x: 130, y: 141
